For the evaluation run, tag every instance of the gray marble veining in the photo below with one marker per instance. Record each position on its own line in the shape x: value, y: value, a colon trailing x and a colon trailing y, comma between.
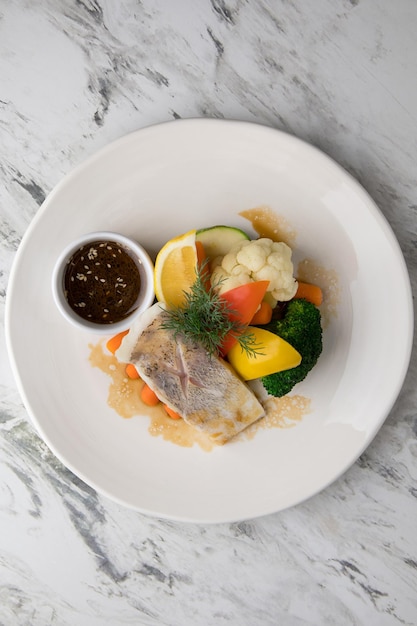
x: 75, y: 75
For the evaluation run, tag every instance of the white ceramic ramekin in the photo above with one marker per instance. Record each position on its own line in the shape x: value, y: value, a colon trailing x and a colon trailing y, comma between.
x: 143, y: 263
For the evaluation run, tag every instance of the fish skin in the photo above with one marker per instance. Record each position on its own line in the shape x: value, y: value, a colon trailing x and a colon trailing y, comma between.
x: 202, y: 388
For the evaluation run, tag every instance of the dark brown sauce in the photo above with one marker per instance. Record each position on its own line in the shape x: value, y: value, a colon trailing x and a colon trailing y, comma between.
x: 102, y: 282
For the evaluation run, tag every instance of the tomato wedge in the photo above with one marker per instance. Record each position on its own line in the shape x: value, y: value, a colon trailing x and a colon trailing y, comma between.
x: 244, y: 302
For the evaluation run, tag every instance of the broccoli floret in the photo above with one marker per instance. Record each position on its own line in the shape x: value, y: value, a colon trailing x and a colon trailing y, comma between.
x: 301, y: 327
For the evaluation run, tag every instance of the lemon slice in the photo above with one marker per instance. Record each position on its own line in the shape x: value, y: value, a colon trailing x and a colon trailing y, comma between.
x: 175, y: 269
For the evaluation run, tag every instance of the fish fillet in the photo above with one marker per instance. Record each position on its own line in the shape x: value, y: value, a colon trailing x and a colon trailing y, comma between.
x: 203, y: 389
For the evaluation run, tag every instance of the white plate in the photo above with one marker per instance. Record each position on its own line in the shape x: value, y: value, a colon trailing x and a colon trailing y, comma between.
x: 165, y: 180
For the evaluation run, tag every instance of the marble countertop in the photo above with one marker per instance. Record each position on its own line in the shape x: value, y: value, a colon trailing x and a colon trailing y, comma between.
x: 77, y: 74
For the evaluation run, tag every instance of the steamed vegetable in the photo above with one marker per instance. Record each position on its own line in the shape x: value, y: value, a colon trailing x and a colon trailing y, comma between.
x: 274, y: 355
x: 301, y: 327
x: 172, y: 414
x: 114, y: 342
x: 312, y: 293
x: 263, y: 315
x: 148, y: 396
x: 242, y: 303
x: 218, y: 240
x: 259, y: 259
x: 131, y: 372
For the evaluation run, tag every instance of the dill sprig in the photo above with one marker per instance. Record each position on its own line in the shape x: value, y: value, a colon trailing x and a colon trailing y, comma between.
x: 207, y: 319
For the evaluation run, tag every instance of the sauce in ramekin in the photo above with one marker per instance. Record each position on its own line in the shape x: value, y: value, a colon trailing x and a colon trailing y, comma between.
x: 102, y: 282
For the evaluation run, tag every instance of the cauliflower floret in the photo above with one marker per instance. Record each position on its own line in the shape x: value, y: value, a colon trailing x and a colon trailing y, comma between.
x: 252, y: 257
x: 259, y: 259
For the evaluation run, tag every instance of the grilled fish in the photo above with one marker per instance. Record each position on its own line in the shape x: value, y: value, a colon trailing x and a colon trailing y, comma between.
x: 203, y: 389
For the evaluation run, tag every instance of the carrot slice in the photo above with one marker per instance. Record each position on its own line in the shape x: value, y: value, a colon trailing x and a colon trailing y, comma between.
x: 114, y: 343
x: 202, y: 264
x: 148, y: 396
x: 131, y: 371
x: 201, y: 253
x: 263, y: 315
x: 312, y: 293
x: 172, y: 414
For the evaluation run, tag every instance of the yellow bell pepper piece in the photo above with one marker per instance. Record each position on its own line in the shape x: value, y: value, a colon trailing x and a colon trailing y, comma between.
x: 273, y: 355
